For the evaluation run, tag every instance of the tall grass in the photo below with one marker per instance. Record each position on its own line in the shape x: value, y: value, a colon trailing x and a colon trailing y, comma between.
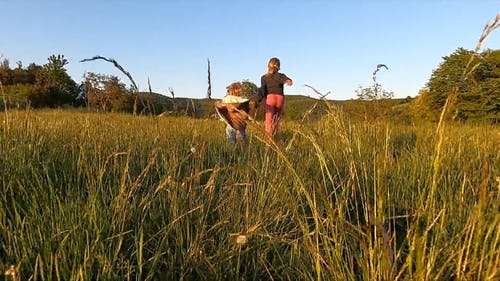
x: 116, y: 197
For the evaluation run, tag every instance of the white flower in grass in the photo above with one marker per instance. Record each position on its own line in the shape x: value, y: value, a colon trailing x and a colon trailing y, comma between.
x: 193, y: 149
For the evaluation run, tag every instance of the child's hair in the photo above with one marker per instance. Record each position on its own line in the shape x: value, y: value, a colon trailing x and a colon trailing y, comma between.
x: 235, y: 89
x: 273, y: 66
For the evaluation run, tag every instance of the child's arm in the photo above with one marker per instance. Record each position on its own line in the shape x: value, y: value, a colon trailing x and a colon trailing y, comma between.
x: 230, y: 114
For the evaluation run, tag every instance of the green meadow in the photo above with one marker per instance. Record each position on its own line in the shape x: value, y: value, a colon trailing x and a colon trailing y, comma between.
x: 109, y: 196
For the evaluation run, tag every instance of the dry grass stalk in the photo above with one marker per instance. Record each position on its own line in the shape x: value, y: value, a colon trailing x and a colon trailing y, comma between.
x: 6, y: 122
x: 488, y: 29
x: 321, y: 95
x: 150, y: 103
x: 3, y: 93
x: 174, y: 103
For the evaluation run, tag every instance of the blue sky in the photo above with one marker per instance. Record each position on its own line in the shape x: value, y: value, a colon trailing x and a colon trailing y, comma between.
x: 331, y: 45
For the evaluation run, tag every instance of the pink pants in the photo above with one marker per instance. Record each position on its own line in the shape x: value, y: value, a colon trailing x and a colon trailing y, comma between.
x: 274, y: 107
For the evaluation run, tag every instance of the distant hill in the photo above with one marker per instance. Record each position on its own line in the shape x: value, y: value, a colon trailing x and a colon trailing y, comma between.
x: 295, y: 108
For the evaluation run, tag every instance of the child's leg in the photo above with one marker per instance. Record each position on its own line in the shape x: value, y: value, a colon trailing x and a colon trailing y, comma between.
x: 231, y: 134
x: 274, y: 109
x: 270, y: 111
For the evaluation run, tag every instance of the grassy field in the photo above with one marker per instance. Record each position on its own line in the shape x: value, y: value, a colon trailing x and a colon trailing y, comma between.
x: 89, y: 196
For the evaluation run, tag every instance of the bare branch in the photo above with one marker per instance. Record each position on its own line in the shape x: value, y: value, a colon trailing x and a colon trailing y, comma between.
x: 209, y: 90
x: 379, y: 66
x: 117, y: 65
x: 321, y: 95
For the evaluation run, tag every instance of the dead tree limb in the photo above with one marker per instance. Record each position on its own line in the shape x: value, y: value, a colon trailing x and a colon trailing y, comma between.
x: 209, y: 90
x: 117, y: 65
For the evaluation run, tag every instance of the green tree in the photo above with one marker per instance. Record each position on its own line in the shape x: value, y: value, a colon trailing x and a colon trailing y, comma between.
x: 483, y: 101
x: 106, y: 92
x: 250, y: 90
x: 54, y: 87
x: 25, y: 76
x: 450, y: 73
x: 18, y: 83
x: 477, y: 80
x: 6, y: 73
x: 32, y: 72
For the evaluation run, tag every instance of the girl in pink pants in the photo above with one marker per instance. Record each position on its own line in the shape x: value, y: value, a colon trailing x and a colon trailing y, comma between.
x: 274, y: 106
x: 272, y: 89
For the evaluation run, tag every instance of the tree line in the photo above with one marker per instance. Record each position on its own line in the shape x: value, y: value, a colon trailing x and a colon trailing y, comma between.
x: 38, y: 86
x: 49, y: 85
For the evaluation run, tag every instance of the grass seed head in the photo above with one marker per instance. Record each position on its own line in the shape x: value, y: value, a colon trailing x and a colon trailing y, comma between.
x: 241, y: 239
x: 11, y: 272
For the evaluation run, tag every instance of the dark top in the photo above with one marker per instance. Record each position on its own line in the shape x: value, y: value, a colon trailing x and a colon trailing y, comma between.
x: 272, y: 84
